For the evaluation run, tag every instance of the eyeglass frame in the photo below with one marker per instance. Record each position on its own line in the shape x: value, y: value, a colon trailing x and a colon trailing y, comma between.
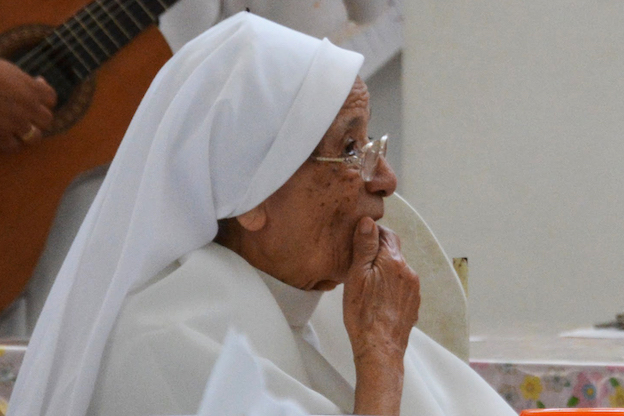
x: 376, y: 148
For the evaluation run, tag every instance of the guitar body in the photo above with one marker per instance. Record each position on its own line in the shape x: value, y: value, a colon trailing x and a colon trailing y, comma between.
x: 33, y: 181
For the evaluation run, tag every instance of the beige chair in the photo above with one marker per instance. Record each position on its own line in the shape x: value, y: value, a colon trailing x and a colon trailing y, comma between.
x: 443, y: 311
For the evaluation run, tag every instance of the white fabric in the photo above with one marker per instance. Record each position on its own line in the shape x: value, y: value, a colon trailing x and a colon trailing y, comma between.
x: 238, y: 374
x: 186, y: 315
x: 188, y: 18
x: 224, y: 124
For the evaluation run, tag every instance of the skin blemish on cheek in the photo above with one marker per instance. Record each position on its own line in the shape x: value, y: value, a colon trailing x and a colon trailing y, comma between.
x: 337, y: 219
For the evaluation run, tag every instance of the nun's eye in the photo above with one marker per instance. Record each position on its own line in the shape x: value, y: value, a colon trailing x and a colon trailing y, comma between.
x: 351, y: 148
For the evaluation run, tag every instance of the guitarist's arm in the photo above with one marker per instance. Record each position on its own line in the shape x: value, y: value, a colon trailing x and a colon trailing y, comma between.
x: 26, y: 105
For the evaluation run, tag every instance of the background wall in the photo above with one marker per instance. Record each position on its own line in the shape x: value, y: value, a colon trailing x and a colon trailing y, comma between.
x: 513, y: 125
x: 385, y: 88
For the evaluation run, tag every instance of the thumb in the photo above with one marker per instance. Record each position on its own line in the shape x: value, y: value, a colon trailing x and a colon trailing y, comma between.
x: 365, y: 243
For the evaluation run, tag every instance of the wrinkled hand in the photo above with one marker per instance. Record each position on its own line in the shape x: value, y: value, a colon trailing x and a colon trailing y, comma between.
x: 26, y: 105
x: 382, y: 293
x: 380, y: 306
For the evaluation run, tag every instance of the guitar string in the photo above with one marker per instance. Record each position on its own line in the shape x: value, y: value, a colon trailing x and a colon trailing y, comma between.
x: 82, y: 29
x: 41, y: 53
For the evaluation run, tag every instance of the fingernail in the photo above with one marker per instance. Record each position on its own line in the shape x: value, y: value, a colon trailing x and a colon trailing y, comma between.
x: 366, y: 226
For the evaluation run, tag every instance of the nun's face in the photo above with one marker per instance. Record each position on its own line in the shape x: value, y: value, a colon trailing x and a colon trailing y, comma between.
x: 313, y: 216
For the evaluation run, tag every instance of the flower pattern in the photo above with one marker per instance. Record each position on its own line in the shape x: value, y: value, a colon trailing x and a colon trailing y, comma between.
x: 617, y: 398
x: 10, y: 361
x: 589, y: 391
x: 3, y: 406
x: 526, y: 386
x: 585, y: 392
x: 531, y: 387
x: 556, y: 379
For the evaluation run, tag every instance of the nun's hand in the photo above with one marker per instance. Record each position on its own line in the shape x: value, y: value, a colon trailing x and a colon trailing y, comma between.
x: 380, y: 305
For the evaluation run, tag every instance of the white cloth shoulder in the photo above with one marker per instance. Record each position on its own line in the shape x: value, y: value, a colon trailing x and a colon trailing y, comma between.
x: 170, y: 333
x: 237, y: 374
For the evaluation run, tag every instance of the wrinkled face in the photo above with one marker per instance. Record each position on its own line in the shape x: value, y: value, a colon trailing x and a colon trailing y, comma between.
x: 312, y: 217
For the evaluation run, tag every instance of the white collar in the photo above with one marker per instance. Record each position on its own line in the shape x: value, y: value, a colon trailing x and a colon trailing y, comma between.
x: 297, y: 305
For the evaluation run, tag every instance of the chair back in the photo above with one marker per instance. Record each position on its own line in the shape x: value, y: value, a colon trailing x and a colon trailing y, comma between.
x: 443, y: 310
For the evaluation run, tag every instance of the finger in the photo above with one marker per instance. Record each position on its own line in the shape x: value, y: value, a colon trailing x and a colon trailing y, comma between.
x: 16, y: 127
x: 21, y: 126
x: 19, y: 112
x: 390, y: 242
x: 365, y: 244
x: 9, y: 143
x: 47, y: 93
x: 42, y: 118
x: 32, y: 136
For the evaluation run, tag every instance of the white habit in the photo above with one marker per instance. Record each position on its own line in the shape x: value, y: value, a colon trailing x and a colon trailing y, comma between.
x: 170, y: 333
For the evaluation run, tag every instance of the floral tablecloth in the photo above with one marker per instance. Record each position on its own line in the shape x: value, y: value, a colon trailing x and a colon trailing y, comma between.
x: 540, y: 369
x: 528, y: 386
x: 11, y: 355
x: 522, y: 370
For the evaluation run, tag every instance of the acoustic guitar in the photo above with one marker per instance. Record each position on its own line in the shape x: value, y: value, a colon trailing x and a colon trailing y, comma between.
x: 100, y: 57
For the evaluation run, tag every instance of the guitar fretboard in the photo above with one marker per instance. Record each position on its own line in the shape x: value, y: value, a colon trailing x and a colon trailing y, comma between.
x: 84, y: 42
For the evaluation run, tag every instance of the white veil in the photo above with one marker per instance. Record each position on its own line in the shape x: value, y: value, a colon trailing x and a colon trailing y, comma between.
x: 225, y: 123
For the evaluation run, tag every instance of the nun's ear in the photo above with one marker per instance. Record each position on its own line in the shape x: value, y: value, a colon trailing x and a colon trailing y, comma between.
x: 255, y: 219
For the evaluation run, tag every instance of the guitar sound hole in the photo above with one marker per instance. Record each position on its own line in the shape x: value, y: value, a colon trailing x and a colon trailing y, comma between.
x: 74, y: 95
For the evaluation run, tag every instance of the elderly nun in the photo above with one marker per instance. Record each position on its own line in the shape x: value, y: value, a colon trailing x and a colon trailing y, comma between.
x: 245, y: 187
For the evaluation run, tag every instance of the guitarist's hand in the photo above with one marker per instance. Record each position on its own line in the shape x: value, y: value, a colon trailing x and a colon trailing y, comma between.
x: 26, y: 105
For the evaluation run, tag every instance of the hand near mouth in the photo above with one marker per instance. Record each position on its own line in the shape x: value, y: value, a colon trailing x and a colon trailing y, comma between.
x: 380, y: 305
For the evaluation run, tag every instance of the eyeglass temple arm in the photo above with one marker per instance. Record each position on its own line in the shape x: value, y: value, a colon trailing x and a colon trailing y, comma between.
x: 329, y: 159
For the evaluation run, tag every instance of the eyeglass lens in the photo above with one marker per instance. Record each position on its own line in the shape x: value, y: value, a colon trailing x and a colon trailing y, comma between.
x: 371, y: 158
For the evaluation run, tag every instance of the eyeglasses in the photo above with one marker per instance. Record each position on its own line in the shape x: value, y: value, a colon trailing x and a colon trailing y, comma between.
x: 365, y: 159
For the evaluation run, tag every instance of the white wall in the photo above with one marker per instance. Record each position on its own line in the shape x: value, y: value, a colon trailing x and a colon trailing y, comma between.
x: 513, y: 115
x: 386, y: 117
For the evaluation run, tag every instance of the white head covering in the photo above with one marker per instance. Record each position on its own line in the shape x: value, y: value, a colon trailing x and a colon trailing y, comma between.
x: 224, y: 124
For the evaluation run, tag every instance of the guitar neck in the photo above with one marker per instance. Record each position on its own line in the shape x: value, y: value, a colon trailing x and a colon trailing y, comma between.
x: 84, y: 42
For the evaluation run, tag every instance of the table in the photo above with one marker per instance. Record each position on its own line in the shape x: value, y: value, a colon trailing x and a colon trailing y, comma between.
x: 533, y: 371
x: 11, y: 355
